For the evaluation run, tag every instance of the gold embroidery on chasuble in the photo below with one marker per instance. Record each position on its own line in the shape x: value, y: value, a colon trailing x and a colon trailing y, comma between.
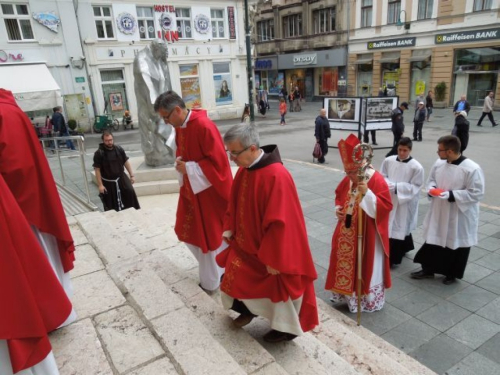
x: 228, y: 279
x: 345, y: 263
x: 240, y: 211
x: 189, y: 216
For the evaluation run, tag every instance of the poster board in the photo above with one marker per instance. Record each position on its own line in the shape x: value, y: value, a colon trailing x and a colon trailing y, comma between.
x: 343, y: 113
x: 378, y: 112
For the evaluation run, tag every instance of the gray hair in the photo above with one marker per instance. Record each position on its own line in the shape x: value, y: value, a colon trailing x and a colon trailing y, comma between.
x: 246, y: 134
x: 168, y: 101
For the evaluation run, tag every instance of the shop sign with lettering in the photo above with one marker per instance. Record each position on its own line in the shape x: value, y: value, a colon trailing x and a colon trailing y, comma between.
x: 79, y: 79
x: 263, y: 64
x: 468, y: 36
x: 392, y: 43
x: 309, y: 59
x: 174, y: 51
x: 232, y: 22
x: 6, y: 56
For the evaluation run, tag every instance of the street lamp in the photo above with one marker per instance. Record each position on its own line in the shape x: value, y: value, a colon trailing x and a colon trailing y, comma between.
x: 249, y: 63
x: 400, y: 23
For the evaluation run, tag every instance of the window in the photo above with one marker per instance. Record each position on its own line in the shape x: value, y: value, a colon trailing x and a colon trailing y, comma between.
x: 393, y: 11
x: 480, y: 5
x: 366, y: 13
x: 223, y: 85
x: 113, y: 89
x: 183, y: 16
x: 218, y: 26
x: 17, y: 22
x: 292, y: 25
x: 324, y: 20
x: 146, y: 22
x: 103, y: 23
x: 265, y: 30
x: 424, y: 9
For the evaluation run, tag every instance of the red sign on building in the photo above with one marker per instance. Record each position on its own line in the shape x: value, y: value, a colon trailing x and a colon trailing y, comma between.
x: 232, y: 22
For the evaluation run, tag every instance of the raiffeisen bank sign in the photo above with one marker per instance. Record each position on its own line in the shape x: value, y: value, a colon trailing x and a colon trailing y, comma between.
x: 392, y: 43
x: 468, y: 36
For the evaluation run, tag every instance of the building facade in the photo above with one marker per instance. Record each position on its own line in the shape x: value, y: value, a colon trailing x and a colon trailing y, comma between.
x: 303, y: 44
x: 41, y: 58
x: 409, y: 46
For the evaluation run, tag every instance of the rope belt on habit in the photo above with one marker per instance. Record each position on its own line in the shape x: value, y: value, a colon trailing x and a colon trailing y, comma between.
x: 118, y: 192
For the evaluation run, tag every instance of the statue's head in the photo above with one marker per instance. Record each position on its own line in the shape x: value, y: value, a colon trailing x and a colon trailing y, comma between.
x: 159, y: 50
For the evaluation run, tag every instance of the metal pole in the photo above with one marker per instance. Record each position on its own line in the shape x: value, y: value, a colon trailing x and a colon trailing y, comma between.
x: 56, y: 144
x: 84, y: 171
x: 249, y: 64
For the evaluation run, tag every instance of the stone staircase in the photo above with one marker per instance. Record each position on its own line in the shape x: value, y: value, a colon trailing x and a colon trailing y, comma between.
x: 141, y: 312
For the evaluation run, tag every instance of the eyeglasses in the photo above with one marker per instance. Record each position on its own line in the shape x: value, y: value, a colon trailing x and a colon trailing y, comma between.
x: 166, y: 118
x: 438, y: 150
x: 236, y: 154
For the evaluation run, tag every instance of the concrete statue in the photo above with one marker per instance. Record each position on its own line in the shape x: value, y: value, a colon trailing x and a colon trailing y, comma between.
x: 152, y: 78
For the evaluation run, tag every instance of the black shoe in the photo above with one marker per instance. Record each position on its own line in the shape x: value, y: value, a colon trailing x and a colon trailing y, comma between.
x: 419, y: 140
x: 421, y: 275
x: 278, y: 336
x: 495, y: 125
x: 243, y: 320
x: 415, y: 139
x: 449, y: 280
x: 375, y: 143
x: 479, y: 125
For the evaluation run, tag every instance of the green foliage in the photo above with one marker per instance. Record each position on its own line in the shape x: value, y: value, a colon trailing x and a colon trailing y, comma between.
x: 440, y: 91
x: 72, y: 124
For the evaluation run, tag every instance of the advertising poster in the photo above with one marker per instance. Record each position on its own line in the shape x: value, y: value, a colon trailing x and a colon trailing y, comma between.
x: 378, y: 112
x: 275, y: 81
x: 343, y: 113
x: 115, y: 99
x: 223, y: 89
x: 190, y: 89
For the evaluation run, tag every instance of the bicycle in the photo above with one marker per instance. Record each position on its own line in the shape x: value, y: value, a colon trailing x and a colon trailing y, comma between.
x: 104, y: 122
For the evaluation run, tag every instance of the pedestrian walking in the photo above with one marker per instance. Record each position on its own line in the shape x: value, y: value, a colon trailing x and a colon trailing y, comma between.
x: 283, y: 109
x: 429, y: 104
x: 462, y: 105
x: 398, y: 127
x: 322, y: 133
x: 455, y: 187
x: 405, y: 178
x: 488, y: 110
x: 461, y: 130
x: 418, y: 122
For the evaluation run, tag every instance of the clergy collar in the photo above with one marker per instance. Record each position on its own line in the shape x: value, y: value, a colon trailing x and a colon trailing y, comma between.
x: 458, y: 161
x: 257, y: 160
x: 403, y: 161
x: 184, y: 124
x: 270, y: 155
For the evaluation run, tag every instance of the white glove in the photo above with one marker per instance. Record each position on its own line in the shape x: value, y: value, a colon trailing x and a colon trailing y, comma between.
x: 444, y: 195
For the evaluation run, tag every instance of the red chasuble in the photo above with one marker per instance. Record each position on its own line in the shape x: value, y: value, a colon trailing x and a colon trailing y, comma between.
x: 24, y: 167
x: 33, y: 301
x: 341, y: 277
x: 268, y: 228
x: 200, y: 216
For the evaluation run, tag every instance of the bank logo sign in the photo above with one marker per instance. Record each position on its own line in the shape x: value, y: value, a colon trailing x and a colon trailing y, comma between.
x: 392, y: 43
x: 468, y: 36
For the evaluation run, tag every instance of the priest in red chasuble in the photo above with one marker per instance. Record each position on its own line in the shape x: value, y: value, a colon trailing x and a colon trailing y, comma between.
x: 205, y: 183
x: 373, y: 196
x: 26, y: 172
x: 32, y: 300
x: 269, y: 266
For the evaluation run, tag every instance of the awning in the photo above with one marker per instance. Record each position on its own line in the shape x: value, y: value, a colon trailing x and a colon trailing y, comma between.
x: 32, y: 85
x: 364, y: 61
x: 394, y: 60
x: 419, y: 58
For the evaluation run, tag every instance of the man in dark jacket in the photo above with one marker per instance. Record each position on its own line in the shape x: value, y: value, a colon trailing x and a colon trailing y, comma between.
x: 461, y: 130
x: 418, y: 122
x: 462, y: 105
x: 60, y: 126
x: 398, y: 127
x: 322, y: 133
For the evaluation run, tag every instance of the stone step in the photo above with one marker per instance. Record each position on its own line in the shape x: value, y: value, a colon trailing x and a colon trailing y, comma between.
x: 156, y: 187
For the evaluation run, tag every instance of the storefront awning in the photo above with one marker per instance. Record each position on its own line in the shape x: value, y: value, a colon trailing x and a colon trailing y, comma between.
x: 394, y: 60
x: 364, y: 61
x: 32, y: 85
x: 419, y: 58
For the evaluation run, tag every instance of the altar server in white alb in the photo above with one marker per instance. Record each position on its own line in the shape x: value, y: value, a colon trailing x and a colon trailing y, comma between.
x: 405, y: 177
x: 455, y: 187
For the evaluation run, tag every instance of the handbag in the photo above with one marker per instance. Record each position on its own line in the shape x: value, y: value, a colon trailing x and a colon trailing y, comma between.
x: 317, y: 153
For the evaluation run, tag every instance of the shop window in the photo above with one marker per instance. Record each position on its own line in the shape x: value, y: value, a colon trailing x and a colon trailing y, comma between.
x: 324, y: 20
x: 265, y: 30
x: 113, y: 89
x: 190, y: 85
x: 218, y: 23
x: 17, y: 22
x: 366, y: 13
x: 223, y: 84
x: 292, y: 25
x: 393, y: 11
x: 328, y: 81
x: 480, y: 5
x: 183, y: 16
x: 104, y: 22
x: 146, y: 22
x: 425, y: 9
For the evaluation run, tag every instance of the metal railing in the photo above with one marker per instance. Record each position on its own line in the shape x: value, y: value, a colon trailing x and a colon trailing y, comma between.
x: 51, y: 144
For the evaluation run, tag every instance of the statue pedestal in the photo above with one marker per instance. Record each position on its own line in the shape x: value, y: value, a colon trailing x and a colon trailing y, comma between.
x: 151, y: 180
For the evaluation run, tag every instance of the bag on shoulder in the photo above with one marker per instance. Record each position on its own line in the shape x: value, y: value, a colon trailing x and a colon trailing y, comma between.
x: 317, y: 153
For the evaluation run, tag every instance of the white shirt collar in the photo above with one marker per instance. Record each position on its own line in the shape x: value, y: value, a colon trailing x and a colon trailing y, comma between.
x: 258, y: 158
x: 184, y: 124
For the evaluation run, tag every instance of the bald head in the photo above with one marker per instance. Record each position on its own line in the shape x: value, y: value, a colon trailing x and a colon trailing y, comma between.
x: 463, y: 97
x: 322, y: 112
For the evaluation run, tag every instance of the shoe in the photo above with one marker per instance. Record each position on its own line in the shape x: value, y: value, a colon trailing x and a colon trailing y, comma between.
x: 449, y: 280
x: 243, y: 320
x: 421, y: 275
x: 415, y: 140
x: 278, y: 336
x: 479, y: 125
x: 495, y: 125
x: 375, y: 143
x: 419, y: 140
